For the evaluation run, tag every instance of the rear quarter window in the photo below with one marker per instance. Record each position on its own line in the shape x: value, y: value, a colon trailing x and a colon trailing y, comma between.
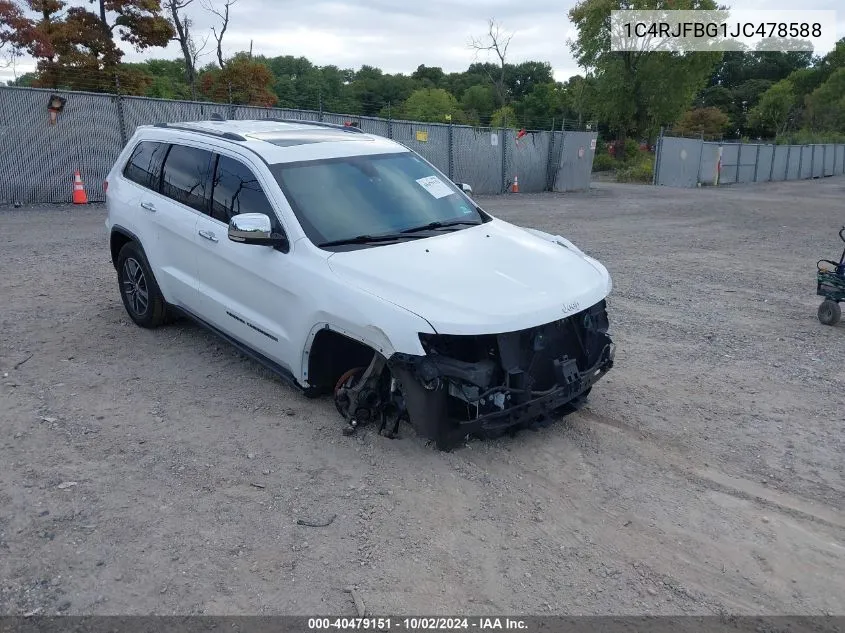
x: 144, y: 164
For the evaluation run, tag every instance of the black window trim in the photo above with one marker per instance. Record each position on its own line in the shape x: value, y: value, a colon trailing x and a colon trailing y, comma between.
x: 237, y: 159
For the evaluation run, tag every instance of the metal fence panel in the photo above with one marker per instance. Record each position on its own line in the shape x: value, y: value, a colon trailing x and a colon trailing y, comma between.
x: 477, y: 158
x: 38, y: 160
x: 779, y: 162
x: 816, y: 161
x: 744, y: 162
x: 429, y: 140
x: 680, y: 160
x: 765, y: 163
x: 828, y: 155
x: 806, y: 161
x: 708, y: 164
x: 576, y: 161
x: 527, y: 160
x: 144, y: 111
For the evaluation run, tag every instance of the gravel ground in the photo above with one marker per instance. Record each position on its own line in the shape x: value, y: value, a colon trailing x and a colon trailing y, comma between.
x: 162, y: 472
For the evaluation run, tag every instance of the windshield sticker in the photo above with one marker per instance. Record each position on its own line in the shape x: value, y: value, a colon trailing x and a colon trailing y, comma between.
x: 436, y: 187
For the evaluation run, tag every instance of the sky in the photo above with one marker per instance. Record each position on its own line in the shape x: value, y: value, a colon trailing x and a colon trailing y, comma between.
x: 399, y: 35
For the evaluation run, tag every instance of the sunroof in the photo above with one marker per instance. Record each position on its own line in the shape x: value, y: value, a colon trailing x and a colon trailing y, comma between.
x: 305, y: 138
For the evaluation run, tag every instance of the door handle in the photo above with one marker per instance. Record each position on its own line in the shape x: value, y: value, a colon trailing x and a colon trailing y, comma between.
x: 149, y: 206
x: 208, y: 235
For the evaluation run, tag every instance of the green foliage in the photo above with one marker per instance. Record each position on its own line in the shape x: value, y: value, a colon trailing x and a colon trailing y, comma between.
x: 708, y: 122
x: 429, y: 104
x: 639, y: 170
x: 772, y: 112
x: 637, y: 91
x: 504, y: 117
x: 826, y: 104
x: 604, y: 162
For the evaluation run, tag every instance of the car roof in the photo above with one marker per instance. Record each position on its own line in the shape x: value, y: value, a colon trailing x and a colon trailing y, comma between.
x: 281, y: 141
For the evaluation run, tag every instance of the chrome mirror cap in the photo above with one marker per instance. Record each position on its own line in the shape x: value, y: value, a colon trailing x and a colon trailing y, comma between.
x: 250, y: 227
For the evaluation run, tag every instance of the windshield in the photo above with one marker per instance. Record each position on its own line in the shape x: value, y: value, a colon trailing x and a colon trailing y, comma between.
x: 345, y: 198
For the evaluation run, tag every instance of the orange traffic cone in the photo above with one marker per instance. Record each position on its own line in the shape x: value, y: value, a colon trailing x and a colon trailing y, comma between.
x: 515, y: 187
x: 79, y: 195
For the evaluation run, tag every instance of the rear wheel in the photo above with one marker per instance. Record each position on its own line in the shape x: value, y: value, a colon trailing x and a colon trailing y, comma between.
x: 829, y: 312
x: 138, y: 288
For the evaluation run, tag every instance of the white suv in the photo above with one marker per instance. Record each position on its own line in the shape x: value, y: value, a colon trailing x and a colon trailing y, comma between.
x: 351, y: 266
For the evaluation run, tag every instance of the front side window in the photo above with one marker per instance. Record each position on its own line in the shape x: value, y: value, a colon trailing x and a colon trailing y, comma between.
x: 342, y: 198
x: 237, y: 190
x: 144, y: 165
x: 186, y: 177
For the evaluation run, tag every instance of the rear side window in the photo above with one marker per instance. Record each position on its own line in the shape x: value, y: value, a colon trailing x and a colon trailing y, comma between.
x: 144, y: 165
x: 186, y: 176
x: 237, y: 190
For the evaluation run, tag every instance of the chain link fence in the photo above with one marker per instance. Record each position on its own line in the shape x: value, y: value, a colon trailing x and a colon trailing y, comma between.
x: 689, y: 162
x: 38, y: 159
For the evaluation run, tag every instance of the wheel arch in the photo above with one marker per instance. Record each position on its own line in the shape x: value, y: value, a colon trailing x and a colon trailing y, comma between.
x: 119, y: 238
x: 331, y: 350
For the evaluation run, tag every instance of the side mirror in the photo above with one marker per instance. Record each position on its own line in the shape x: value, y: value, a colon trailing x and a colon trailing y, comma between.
x: 465, y: 188
x: 254, y: 228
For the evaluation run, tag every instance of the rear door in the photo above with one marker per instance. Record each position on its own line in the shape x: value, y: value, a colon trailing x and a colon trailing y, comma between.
x: 184, y: 189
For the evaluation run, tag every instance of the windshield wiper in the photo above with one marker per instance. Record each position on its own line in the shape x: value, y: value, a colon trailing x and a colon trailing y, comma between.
x: 366, y: 239
x: 439, y: 225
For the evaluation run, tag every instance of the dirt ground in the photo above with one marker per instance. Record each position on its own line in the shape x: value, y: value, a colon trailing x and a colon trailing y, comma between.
x: 705, y: 477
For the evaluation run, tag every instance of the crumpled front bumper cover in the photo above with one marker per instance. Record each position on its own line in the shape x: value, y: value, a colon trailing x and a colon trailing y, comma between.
x: 428, y: 410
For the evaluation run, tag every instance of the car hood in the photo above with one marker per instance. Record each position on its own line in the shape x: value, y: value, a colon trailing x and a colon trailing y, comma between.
x: 491, y: 278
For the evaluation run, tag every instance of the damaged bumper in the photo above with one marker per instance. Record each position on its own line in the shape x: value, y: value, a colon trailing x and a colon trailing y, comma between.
x: 486, y: 385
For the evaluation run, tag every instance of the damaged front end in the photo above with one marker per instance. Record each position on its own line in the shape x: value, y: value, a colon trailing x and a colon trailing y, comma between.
x: 488, y: 384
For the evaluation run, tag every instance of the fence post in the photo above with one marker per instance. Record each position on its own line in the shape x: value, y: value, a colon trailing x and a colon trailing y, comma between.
x: 502, y: 184
x: 656, y: 168
x: 824, y: 159
x: 120, y: 118
x: 738, y: 160
x: 835, y: 156
x: 800, y: 162
x: 756, y: 162
x: 700, y: 156
x: 786, y: 169
x: 451, y: 157
x: 549, y: 186
x: 772, y: 164
x: 812, y: 161
x: 232, y: 108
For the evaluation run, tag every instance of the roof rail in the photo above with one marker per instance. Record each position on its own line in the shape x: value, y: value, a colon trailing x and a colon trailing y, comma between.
x: 227, y: 135
x: 337, y: 126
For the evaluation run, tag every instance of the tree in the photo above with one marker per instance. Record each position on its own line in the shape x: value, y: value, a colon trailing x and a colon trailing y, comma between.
x: 504, y: 117
x: 495, y: 42
x: 771, y: 114
x: 522, y: 78
x: 478, y: 103
x: 78, y: 48
x: 709, y: 122
x: 429, y: 104
x: 637, y: 91
x: 190, y: 49
x: 223, y: 14
x: 243, y: 80
x: 826, y: 105
x: 544, y: 105
x: 429, y: 76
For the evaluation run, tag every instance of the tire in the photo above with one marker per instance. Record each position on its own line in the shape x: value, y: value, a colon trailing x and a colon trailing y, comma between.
x: 139, y: 291
x: 830, y: 312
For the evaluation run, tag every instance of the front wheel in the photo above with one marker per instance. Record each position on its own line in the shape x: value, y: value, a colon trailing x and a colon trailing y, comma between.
x: 138, y: 288
x: 829, y: 312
